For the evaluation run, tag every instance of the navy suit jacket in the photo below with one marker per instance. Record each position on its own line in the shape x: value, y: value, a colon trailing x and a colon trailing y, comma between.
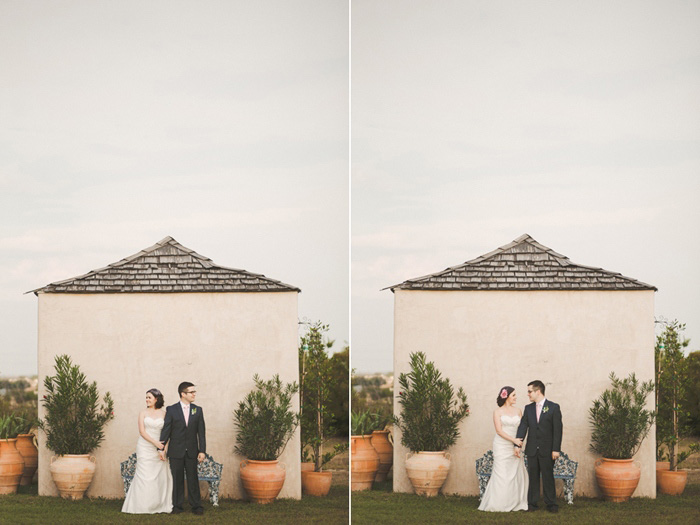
x: 543, y: 437
x: 184, y: 438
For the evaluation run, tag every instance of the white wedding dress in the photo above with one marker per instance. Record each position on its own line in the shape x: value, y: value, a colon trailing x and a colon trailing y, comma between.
x: 507, y: 487
x: 151, y: 490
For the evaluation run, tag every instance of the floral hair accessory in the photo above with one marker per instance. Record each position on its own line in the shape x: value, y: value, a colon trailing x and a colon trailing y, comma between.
x: 504, y: 393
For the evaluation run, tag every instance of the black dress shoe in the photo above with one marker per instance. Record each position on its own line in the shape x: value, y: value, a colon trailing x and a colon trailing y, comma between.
x: 532, y: 509
x: 176, y: 511
x: 553, y: 509
x: 198, y: 511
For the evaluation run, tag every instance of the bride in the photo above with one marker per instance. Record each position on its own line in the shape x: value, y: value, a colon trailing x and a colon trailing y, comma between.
x: 151, y: 489
x: 507, y: 487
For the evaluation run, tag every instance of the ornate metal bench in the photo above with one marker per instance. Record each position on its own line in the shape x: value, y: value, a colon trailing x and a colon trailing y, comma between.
x: 564, y: 468
x: 208, y: 470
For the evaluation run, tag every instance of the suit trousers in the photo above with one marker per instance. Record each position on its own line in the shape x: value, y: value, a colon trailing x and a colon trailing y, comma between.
x: 543, y: 465
x: 178, y: 467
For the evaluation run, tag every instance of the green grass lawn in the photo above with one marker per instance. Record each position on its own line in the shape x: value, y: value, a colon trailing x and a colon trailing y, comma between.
x: 27, y: 507
x: 383, y: 506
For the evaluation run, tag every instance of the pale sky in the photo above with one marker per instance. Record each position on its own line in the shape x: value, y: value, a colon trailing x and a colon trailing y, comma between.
x: 222, y: 124
x: 476, y: 122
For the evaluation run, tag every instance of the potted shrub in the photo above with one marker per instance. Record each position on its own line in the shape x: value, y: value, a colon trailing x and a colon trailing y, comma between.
x: 430, y: 415
x: 672, y: 384
x: 26, y: 446
x: 74, y: 426
x: 364, y: 460
x: 265, y: 423
x: 316, y: 387
x: 11, y: 462
x: 620, y: 423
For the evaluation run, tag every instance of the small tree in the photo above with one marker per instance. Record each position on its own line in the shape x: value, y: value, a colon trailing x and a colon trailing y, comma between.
x: 317, y: 386
x: 75, y: 420
x: 430, y: 409
x: 672, y: 386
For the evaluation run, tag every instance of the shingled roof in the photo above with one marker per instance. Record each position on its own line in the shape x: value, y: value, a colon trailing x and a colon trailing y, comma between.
x: 524, y: 264
x: 166, y: 267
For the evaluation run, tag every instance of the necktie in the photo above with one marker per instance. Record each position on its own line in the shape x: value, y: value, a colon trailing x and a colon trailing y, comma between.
x: 187, y: 414
x: 539, y: 411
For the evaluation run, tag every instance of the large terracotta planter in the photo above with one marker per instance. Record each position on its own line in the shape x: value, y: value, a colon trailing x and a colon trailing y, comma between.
x: 364, y: 462
x: 617, y: 478
x: 307, y: 466
x: 11, y: 466
x: 427, y: 471
x: 661, y: 465
x: 671, y: 481
x: 262, y: 480
x: 26, y: 447
x: 381, y: 442
x: 316, y: 483
x: 72, y: 474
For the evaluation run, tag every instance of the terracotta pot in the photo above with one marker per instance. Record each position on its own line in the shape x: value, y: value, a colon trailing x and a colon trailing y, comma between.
x: 316, y: 483
x: 382, y: 444
x: 364, y: 462
x: 307, y: 466
x: 72, y: 474
x: 671, y: 481
x: 11, y: 466
x: 427, y: 471
x: 617, y: 478
x: 262, y: 480
x: 661, y: 465
x: 26, y: 447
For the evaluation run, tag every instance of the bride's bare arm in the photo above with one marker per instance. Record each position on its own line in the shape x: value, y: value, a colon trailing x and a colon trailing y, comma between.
x: 499, y: 429
x: 144, y: 434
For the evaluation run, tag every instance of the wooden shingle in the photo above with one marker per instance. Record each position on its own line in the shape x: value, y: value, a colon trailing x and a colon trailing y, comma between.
x: 166, y: 267
x: 524, y: 264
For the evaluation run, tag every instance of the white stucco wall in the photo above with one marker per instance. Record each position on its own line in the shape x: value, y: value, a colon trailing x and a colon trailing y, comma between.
x: 484, y: 340
x: 130, y: 343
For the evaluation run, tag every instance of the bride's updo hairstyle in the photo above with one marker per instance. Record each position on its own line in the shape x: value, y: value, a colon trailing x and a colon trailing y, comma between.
x: 503, y: 395
x: 159, y: 397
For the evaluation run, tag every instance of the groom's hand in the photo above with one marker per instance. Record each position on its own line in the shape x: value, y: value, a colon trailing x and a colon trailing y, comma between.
x: 555, y: 455
x: 201, y: 457
x: 516, y: 452
x: 161, y: 453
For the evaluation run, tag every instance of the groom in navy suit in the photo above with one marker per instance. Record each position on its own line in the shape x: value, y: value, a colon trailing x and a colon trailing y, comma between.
x: 542, y: 422
x: 184, y: 428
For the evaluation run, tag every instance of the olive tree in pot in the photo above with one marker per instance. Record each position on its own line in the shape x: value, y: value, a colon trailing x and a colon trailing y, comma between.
x: 11, y: 461
x: 672, y: 384
x: 265, y: 423
x: 430, y: 415
x: 316, y: 388
x: 620, y: 422
x: 74, y: 426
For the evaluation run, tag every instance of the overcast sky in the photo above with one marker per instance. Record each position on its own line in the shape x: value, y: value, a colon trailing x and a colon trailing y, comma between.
x: 476, y: 122
x: 221, y: 124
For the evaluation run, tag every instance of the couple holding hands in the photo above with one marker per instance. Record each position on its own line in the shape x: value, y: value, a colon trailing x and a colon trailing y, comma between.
x: 179, y: 433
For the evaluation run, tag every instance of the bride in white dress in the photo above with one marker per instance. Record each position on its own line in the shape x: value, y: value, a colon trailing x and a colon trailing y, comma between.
x: 507, y: 488
x: 151, y: 489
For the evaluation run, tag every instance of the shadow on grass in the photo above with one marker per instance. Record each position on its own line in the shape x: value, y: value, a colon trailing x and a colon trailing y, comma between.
x: 27, y: 507
x: 381, y: 505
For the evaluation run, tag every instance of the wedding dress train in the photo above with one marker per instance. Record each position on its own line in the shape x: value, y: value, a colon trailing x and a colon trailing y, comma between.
x: 152, y: 487
x: 507, y: 488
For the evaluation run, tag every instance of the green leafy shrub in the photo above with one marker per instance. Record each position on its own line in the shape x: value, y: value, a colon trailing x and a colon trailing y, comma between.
x: 75, y: 420
x: 430, y: 409
x: 619, y: 418
x: 265, y: 420
x: 11, y: 426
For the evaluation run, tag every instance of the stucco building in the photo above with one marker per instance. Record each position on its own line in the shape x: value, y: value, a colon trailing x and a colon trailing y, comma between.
x: 519, y: 313
x: 160, y: 317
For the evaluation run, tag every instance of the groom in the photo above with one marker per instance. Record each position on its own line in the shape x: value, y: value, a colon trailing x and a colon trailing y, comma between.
x: 184, y: 428
x: 542, y: 421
